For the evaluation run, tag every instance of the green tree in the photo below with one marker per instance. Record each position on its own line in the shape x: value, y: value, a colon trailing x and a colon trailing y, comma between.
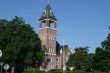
x: 106, y: 43
x: 102, y: 56
x: 80, y: 59
x: 19, y: 43
x: 101, y: 60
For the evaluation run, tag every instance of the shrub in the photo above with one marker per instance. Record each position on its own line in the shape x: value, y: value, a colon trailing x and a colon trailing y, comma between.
x: 56, y: 71
x: 33, y: 71
x: 99, y: 72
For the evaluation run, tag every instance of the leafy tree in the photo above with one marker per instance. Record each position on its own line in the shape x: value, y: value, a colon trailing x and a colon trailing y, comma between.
x: 106, y: 43
x: 19, y: 43
x: 80, y: 59
x: 101, y: 60
x: 102, y: 56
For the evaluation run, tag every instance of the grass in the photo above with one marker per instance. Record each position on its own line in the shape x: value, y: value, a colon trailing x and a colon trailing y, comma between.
x: 56, y: 71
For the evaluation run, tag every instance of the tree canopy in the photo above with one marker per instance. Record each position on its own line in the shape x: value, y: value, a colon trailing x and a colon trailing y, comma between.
x: 19, y: 42
x: 80, y: 59
x: 102, y: 56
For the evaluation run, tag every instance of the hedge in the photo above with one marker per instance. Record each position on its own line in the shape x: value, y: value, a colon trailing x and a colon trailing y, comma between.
x: 33, y: 71
x: 56, y: 71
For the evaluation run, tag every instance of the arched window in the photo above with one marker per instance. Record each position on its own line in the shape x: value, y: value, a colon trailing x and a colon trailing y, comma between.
x: 67, y: 56
x: 61, y: 51
x: 57, y: 59
x: 53, y: 37
x: 51, y: 13
x: 49, y: 50
x: 44, y: 13
x: 57, y: 66
x: 51, y: 59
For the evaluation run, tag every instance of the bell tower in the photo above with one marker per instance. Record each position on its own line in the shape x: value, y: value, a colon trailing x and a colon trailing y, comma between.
x: 48, y: 36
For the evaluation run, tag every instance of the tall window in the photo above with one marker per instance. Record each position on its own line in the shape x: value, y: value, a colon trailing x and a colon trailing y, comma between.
x: 51, y: 13
x: 67, y: 56
x: 53, y: 37
x: 49, y: 50
x: 57, y: 66
x: 57, y: 59
x: 50, y: 59
x: 44, y: 13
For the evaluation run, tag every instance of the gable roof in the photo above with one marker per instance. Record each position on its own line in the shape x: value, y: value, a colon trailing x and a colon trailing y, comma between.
x: 59, y: 47
x: 48, y: 14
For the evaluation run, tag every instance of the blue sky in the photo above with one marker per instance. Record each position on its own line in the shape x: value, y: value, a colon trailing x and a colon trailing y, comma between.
x: 81, y: 22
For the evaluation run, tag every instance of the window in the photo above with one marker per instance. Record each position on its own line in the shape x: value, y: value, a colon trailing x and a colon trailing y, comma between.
x: 57, y: 59
x: 67, y: 56
x: 61, y: 51
x: 50, y: 59
x: 57, y: 66
x: 51, y: 13
x: 53, y: 37
x: 49, y: 50
x: 44, y: 13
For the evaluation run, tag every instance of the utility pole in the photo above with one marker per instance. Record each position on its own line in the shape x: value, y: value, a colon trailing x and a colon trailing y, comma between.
x: 109, y: 29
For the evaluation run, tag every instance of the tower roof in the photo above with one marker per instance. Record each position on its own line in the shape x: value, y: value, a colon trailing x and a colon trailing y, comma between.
x: 48, y: 14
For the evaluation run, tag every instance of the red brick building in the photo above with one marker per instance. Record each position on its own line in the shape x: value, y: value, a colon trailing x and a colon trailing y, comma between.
x: 55, y: 55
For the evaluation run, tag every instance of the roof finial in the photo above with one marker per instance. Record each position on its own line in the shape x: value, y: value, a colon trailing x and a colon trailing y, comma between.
x: 48, y: 1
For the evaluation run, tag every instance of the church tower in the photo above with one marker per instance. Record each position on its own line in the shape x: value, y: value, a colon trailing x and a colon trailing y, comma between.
x: 47, y: 33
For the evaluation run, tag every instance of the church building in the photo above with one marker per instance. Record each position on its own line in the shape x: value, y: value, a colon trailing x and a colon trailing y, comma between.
x: 56, y: 55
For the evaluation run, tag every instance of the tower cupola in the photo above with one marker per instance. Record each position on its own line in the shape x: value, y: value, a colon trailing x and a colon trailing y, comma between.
x: 48, y: 14
x: 48, y: 17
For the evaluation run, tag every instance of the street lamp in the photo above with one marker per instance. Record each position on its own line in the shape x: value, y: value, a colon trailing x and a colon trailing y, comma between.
x: 63, y: 53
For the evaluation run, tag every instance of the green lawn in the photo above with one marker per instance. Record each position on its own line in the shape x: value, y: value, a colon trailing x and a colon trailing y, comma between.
x: 57, y: 71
